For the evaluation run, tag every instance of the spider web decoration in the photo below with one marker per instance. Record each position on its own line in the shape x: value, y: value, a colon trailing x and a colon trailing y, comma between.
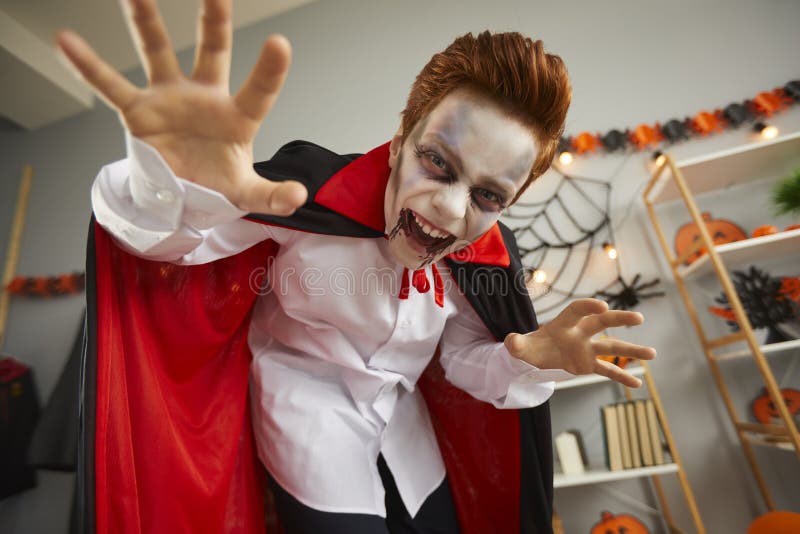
x: 551, y: 238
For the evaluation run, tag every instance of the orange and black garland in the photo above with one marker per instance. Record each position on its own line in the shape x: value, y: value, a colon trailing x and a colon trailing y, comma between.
x: 704, y: 123
x: 47, y: 286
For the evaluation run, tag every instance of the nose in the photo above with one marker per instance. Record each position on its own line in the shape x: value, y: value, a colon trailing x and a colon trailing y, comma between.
x: 450, y: 202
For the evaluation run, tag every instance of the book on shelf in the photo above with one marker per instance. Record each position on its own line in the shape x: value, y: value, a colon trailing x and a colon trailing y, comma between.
x: 624, y: 439
x: 571, y: 453
x: 644, y: 433
x: 632, y: 435
x: 612, y: 441
x: 655, y: 432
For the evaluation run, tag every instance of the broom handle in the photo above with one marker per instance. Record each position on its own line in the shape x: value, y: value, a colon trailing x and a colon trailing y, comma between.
x: 12, y: 255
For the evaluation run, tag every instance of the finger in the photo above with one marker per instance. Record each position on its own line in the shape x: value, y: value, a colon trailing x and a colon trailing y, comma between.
x: 262, y: 196
x: 212, y: 61
x: 616, y: 374
x: 579, y: 309
x: 152, y: 41
x: 594, y: 324
x: 109, y: 84
x: 516, y: 344
x: 617, y: 347
x: 262, y: 87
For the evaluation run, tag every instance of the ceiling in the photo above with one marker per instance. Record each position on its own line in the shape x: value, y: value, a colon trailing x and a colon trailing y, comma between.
x: 35, y: 86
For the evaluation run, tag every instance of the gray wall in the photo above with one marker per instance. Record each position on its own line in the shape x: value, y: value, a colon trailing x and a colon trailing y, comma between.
x: 354, y: 60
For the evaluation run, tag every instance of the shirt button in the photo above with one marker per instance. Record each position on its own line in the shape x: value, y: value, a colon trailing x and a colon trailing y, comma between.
x: 165, y: 196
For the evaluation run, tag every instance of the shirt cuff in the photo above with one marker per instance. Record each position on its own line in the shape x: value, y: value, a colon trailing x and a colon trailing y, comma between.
x: 156, y: 189
x: 531, y: 386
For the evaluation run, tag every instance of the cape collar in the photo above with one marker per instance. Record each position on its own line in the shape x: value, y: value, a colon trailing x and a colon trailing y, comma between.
x: 357, y: 191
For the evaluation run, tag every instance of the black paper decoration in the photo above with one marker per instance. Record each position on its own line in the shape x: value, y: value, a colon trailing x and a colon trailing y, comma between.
x: 675, y: 130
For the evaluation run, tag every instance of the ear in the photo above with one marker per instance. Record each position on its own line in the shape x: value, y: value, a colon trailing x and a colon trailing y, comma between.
x: 395, y: 146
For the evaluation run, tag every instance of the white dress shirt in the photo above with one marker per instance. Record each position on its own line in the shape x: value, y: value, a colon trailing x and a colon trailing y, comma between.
x: 336, y: 355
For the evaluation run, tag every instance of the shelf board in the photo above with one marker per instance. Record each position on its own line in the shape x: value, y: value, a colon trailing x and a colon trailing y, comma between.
x: 769, y: 441
x: 598, y: 475
x: 720, y: 170
x: 586, y: 380
x: 745, y: 252
x: 772, y: 348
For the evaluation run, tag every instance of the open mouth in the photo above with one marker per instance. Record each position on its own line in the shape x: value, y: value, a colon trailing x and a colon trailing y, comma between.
x: 432, y: 239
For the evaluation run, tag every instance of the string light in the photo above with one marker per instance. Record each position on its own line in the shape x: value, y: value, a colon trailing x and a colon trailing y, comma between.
x: 766, y: 131
x: 539, y: 276
x: 565, y: 158
x: 610, y: 250
x: 659, y: 157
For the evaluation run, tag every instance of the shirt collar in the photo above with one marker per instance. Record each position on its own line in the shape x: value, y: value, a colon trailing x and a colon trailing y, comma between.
x: 357, y: 191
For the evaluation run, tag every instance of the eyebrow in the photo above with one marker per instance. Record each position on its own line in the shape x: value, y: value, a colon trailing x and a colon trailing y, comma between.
x: 483, y: 181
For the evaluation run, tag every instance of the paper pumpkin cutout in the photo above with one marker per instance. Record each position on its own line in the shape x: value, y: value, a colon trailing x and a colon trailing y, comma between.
x: 764, y: 409
x: 721, y: 230
x: 619, y: 524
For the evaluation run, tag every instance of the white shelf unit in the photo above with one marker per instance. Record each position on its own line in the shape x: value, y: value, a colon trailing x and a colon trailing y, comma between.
x: 602, y: 475
x: 744, y: 252
x: 770, y: 349
x: 710, y: 179
x: 598, y: 475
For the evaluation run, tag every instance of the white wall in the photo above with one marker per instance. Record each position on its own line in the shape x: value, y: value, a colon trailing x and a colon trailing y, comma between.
x: 354, y: 60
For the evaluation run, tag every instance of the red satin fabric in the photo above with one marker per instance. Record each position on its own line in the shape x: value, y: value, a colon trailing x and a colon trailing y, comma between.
x: 420, y: 282
x: 173, y: 439
x: 480, y: 446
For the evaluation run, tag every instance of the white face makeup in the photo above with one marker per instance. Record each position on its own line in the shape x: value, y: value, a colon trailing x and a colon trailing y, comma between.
x: 452, y: 177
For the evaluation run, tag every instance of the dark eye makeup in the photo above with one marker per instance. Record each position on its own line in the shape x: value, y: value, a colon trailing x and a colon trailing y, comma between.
x: 438, y: 169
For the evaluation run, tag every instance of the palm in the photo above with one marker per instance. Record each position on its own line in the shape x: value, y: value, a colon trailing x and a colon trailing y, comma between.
x: 203, y: 133
x: 566, y: 342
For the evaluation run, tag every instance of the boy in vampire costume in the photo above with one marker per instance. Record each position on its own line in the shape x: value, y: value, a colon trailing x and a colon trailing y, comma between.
x: 287, y: 310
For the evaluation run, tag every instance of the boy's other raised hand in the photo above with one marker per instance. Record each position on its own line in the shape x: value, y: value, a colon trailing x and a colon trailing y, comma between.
x: 566, y: 342
x: 203, y: 133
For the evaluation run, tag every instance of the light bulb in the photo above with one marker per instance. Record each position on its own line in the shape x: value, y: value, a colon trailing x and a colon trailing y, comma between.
x: 610, y: 250
x: 539, y: 276
x: 565, y: 157
x: 766, y: 131
x: 770, y: 132
x: 659, y: 157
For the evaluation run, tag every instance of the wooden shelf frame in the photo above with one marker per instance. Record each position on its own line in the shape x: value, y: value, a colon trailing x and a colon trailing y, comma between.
x: 713, y: 262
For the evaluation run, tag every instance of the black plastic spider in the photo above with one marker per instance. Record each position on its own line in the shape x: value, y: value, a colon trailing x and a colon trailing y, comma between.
x: 630, y: 294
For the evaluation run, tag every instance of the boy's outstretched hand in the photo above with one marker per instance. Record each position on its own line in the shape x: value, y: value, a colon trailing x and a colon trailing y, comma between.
x: 204, y: 134
x: 566, y: 342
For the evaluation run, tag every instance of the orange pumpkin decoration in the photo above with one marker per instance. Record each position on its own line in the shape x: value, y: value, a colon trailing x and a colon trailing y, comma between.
x: 644, y: 136
x: 776, y: 523
x: 765, y: 229
x: 790, y: 288
x: 706, y: 123
x: 585, y: 142
x: 768, y: 103
x: 764, y: 410
x: 721, y: 230
x: 619, y: 524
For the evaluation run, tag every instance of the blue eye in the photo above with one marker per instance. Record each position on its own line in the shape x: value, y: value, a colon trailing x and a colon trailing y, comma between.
x: 437, y: 161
